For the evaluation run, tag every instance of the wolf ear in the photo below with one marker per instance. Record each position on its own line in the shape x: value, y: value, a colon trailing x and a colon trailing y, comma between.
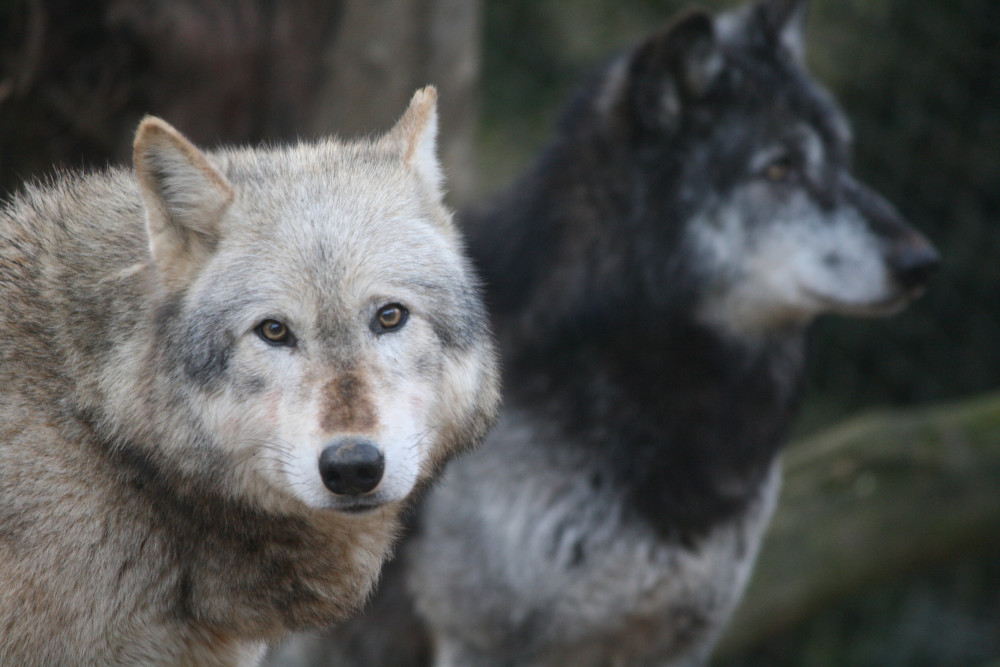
x: 416, y: 136
x: 781, y: 23
x: 673, y: 68
x: 185, y: 196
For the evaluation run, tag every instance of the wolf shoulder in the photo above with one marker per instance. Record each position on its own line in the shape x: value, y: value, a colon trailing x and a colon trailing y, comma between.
x: 68, y: 247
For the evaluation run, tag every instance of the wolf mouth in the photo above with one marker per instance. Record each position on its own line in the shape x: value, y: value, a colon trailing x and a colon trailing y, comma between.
x: 890, y: 305
x: 357, y: 507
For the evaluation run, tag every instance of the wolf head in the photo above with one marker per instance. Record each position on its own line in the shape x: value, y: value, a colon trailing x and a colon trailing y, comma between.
x: 315, y: 317
x: 721, y: 141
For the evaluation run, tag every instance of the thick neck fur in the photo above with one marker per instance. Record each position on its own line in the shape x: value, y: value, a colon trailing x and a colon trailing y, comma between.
x: 600, y: 315
x: 279, y: 571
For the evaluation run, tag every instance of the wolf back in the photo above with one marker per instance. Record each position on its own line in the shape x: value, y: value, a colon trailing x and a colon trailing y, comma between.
x: 222, y: 375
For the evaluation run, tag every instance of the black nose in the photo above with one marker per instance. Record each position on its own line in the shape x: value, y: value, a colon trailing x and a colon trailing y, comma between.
x: 914, y: 262
x: 351, y: 467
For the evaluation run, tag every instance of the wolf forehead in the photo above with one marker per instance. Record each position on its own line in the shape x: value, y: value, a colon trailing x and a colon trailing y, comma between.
x: 334, y: 218
x: 344, y: 191
x: 775, y: 84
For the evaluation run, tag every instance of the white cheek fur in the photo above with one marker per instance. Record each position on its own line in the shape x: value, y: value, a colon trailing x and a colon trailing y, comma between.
x: 785, y: 271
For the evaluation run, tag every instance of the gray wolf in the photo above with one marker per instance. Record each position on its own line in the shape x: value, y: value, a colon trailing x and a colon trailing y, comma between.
x: 653, y: 278
x: 223, y: 374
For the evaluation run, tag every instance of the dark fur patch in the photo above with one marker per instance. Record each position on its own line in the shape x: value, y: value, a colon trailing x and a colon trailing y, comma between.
x: 207, y: 341
x: 205, y: 361
x: 683, y: 423
x: 464, y: 324
x: 579, y: 554
x: 200, y: 343
x: 347, y: 406
x: 250, y: 385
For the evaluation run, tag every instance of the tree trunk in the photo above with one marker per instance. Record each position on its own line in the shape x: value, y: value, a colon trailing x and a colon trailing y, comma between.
x: 387, y: 49
x: 75, y: 81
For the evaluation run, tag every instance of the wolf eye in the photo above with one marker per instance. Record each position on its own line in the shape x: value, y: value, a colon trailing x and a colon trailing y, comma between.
x: 390, y: 318
x: 275, y: 333
x: 779, y: 170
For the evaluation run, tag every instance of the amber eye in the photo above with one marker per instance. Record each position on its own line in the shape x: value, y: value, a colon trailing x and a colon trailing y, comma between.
x: 778, y: 170
x: 390, y: 318
x: 275, y: 332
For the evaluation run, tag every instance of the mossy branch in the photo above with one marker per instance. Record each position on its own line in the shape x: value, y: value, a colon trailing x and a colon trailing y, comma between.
x: 870, y: 500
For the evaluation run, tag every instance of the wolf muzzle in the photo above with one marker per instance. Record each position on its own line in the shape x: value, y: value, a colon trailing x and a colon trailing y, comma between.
x: 351, y: 467
x: 913, y: 262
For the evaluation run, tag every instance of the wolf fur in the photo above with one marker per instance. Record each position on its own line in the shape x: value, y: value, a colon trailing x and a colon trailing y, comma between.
x: 163, y: 496
x: 652, y: 279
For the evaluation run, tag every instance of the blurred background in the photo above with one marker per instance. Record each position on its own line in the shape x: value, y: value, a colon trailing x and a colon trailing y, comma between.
x: 886, y: 548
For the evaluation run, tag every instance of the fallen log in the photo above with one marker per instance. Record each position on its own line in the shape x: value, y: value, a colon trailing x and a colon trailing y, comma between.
x: 872, y: 500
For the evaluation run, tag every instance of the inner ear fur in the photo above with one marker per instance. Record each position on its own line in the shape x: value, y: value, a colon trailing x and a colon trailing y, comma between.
x: 185, y: 197
x: 415, y: 135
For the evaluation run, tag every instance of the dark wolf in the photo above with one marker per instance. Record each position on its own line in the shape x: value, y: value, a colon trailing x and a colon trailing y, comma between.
x: 222, y: 376
x: 652, y: 279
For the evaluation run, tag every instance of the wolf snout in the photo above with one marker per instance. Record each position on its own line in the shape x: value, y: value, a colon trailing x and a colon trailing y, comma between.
x: 351, y: 467
x: 913, y: 262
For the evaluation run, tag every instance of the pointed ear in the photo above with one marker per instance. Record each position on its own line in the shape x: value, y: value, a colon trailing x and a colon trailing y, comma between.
x: 673, y: 68
x: 416, y: 136
x: 782, y: 24
x: 184, y: 195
